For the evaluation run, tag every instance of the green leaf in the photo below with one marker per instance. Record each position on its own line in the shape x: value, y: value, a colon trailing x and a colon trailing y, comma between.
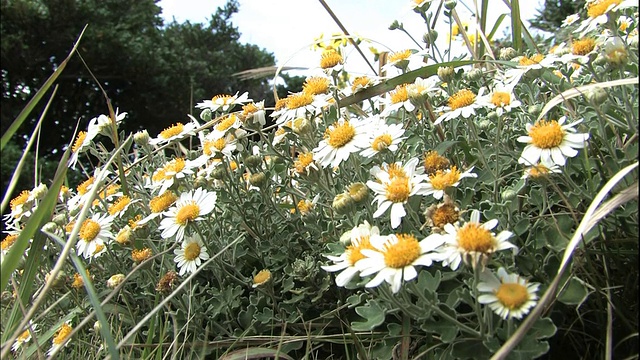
x: 574, y: 293
x: 543, y: 328
x: 529, y: 348
x: 372, y: 312
x: 470, y: 348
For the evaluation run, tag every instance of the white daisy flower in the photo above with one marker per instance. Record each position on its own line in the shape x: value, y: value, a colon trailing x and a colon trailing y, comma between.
x: 394, y: 259
x: 472, y: 242
x: 359, y: 239
x: 21, y: 206
x: 340, y: 140
x: 164, y: 177
x: 174, y: 132
x: 525, y: 64
x: 158, y: 205
x: 508, y: 295
x: 422, y: 88
x: 191, y: 254
x: 120, y: 206
x: 398, y: 99
x: 551, y: 142
x: 383, y: 137
x: 463, y: 103
x: 541, y: 170
x: 394, y: 187
x: 190, y: 207
x: 501, y: 99
x: 598, y: 12
x: 81, y: 144
x: 299, y: 105
x: 93, y: 235
x: 331, y: 62
x: 229, y: 123
x: 61, y: 337
x: 24, y: 337
x: 438, y: 182
x: 253, y: 113
x: 570, y: 20
x: 103, y: 122
x: 224, y: 102
x: 363, y: 82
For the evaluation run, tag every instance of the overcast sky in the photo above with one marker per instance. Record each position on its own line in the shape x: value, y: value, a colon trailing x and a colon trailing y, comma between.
x: 288, y: 27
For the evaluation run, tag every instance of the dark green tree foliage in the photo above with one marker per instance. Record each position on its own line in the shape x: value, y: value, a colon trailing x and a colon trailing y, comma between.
x: 155, y: 72
x: 550, y: 17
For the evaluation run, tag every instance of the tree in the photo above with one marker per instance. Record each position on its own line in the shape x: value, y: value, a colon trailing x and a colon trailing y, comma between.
x: 156, y: 73
x: 550, y: 17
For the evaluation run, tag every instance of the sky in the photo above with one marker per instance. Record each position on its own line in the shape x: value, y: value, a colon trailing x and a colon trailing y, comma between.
x: 287, y: 28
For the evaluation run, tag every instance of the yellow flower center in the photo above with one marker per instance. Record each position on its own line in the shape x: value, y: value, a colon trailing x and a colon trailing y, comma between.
x: 434, y: 162
x: 341, y: 134
x: 89, y: 230
x: 249, y: 109
x: 172, y: 131
x: 402, y: 253
x: 330, y: 59
x: 192, y: 251
x: 169, y: 170
x: 512, y: 295
x: 358, y: 191
x: 79, y: 141
x: 188, y: 212
x: 500, y: 98
x: 527, y: 61
x: 353, y: 253
x: 62, y: 334
x: 445, y: 214
x: 462, y: 98
x: 77, y: 282
x: 305, y: 206
x: 399, y: 56
x: 302, y: 162
x: 298, y: 100
x: 233, y: 165
x: 316, y: 85
x: 281, y: 103
x: 443, y: 179
x: 110, y: 190
x: 140, y: 255
x: 539, y: 170
x: 400, y: 94
x: 261, y: 277
x: 119, y: 205
x: 381, y: 142
x: 474, y: 238
x: 222, y: 99
x: 19, y: 200
x: 394, y: 170
x: 546, y: 134
x: 8, y: 241
x: 598, y: 8
x: 99, y: 248
x: 84, y: 186
x: 583, y: 47
x: 360, y: 82
x: 398, y: 190
x: 226, y: 123
x: 162, y: 202
x: 23, y: 337
x: 70, y: 226
x: 124, y: 236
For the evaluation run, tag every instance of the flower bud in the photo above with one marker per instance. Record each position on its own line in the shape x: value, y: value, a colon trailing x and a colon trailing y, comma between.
x: 50, y: 227
x: 597, y: 95
x: 473, y: 74
x: 342, y: 203
x: 60, y: 219
x: 507, y: 53
x: 450, y: 4
x: 534, y: 109
x: 395, y: 25
x: 430, y: 37
x: 358, y: 192
x: 115, y: 280
x: 218, y: 173
x: 508, y: 194
x: 445, y: 73
x: 485, y: 124
x: 257, y: 179
x: 253, y: 161
x: 205, y: 115
x: 141, y: 138
x: 301, y: 126
x: 97, y: 326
